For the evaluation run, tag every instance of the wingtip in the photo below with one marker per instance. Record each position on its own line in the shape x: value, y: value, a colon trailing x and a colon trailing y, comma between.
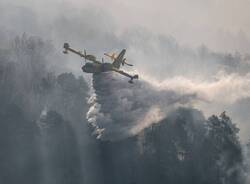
x: 136, y: 76
x: 66, y: 45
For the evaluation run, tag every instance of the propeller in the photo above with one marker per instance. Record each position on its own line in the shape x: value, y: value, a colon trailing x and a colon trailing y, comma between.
x: 125, y: 63
x: 85, y: 54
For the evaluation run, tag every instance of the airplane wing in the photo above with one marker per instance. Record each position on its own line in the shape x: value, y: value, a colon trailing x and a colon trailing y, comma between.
x: 126, y: 74
x: 79, y: 53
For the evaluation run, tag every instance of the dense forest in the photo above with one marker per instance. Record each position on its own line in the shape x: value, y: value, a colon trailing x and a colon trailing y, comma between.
x: 45, y: 137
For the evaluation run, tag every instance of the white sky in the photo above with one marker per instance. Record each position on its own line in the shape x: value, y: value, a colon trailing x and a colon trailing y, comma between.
x: 191, y: 22
x: 216, y: 23
x: 222, y: 25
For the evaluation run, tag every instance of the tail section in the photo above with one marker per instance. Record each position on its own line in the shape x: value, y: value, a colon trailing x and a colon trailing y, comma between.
x: 120, y: 58
x: 112, y: 56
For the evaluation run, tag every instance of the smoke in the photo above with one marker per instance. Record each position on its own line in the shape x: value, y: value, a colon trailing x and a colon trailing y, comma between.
x: 96, y: 27
x: 171, y: 75
x: 119, y: 109
x: 227, y: 92
x: 225, y: 88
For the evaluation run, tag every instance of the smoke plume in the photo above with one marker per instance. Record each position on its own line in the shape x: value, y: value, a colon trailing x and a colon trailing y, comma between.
x: 119, y: 109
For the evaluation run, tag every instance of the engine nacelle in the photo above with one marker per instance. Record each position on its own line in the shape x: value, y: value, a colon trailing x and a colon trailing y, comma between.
x: 90, y: 68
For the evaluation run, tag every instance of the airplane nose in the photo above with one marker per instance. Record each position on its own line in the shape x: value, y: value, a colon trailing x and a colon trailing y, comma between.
x: 83, y: 69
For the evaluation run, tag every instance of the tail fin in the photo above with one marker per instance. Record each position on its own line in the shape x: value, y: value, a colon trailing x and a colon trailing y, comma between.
x: 112, y: 56
x: 118, y: 61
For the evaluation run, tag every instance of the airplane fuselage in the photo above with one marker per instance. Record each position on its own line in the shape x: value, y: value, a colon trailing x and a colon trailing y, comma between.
x: 97, y: 68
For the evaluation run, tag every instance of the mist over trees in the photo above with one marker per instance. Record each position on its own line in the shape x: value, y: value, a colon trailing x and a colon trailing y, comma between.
x: 45, y: 138
x: 44, y: 135
x: 183, y: 148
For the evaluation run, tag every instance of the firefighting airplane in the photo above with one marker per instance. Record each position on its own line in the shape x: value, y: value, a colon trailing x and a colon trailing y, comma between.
x: 100, y: 66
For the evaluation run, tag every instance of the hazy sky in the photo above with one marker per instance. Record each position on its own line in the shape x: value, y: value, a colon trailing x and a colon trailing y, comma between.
x: 222, y: 25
